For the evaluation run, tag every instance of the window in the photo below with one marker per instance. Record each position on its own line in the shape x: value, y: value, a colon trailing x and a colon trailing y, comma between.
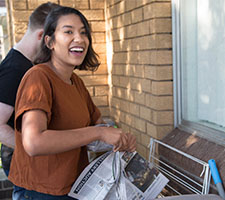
x: 199, y: 66
x: 4, y: 36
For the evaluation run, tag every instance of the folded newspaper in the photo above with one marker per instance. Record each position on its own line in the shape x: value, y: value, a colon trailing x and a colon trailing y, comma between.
x: 118, y: 175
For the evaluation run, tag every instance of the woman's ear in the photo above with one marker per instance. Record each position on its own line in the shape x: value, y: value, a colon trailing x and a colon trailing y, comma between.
x: 48, y: 42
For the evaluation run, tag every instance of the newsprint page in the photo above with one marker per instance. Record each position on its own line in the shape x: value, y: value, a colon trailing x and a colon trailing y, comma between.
x: 119, y: 176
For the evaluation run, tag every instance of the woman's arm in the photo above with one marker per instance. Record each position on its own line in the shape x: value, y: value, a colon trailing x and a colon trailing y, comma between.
x: 38, y: 140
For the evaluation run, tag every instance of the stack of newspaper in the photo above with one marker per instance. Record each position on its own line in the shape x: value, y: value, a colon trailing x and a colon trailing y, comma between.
x: 119, y: 175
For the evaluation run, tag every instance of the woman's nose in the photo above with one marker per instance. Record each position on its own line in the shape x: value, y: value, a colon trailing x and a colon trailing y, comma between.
x: 78, y: 38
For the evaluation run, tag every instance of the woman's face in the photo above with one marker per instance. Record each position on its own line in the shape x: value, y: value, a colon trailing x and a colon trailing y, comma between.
x: 71, y: 41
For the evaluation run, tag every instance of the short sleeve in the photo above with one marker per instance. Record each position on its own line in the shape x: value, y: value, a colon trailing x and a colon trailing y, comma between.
x: 35, y: 92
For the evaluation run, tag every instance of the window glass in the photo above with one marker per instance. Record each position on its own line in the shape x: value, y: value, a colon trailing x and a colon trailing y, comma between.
x: 202, y: 62
x: 4, y: 36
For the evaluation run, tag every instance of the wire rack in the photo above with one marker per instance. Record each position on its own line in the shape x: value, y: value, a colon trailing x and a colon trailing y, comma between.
x: 181, y: 181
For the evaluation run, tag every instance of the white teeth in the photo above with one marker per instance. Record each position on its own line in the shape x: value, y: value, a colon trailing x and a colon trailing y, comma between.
x: 77, y: 49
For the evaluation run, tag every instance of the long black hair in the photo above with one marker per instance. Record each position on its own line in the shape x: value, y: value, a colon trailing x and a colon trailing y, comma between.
x: 91, y: 59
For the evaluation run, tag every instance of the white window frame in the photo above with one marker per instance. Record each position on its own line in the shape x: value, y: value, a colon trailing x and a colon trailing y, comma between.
x: 191, y: 127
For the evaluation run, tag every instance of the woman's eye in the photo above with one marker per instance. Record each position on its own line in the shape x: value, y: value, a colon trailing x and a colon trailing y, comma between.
x: 84, y: 33
x: 69, y: 32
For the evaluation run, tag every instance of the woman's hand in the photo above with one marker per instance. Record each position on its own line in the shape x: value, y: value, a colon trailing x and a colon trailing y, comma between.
x: 120, y: 140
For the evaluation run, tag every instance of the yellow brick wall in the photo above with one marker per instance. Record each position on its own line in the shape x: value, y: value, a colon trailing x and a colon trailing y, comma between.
x: 140, y: 63
x: 97, y: 82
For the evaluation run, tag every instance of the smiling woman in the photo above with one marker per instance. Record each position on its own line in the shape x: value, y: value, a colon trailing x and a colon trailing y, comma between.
x: 54, y: 113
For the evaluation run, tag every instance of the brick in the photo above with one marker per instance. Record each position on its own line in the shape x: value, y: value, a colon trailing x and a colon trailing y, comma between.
x: 163, y: 117
x: 98, y: 37
x: 131, y: 31
x: 115, y: 102
x: 99, y: 47
x: 124, y: 81
x: 145, y: 140
x: 21, y: 16
x: 163, y: 25
x: 162, y: 88
x: 101, y: 90
x: 83, y: 72
x: 146, y: 113
x: 116, y: 46
x: 138, y: 71
x: 145, y: 85
x: 120, y: 93
x: 134, y: 109
x: 158, y: 57
x: 126, y: 19
x: 102, y: 69
x: 111, y: 11
x: 130, y: 5
x: 163, y: 41
x: 118, y: 115
x: 124, y: 106
x: 125, y: 128
x: 98, y: 26
x: 93, y: 14
x: 112, y: 2
x: 156, y: 41
x: 20, y: 28
x: 139, y: 97
x: 19, y: 4
x: 142, y: 2
x: 118, y: 34
x: 159, y: 102
x: 137, y: 135
x: 97, y: 4
x: 143, y: 28
x: 158, y: 132
x: 119, y: 69
x: 78, y: 4
x: 135, y: 84
x: 95, y: 80
x: 141, y: 43
x: 100, y: 100
x: 137, y: 15
x: 142, y: 150
x: 144, y: 57
x: 129, y: 69
x: 140, y: 125
x: 102, y: 58
x: 115, y: 80
x: 121, y: 20
x: 32, y: 4
x: 104, y: 111
x: 157, y: 10
x: 120, y: 7
x: 133, y: 58
x: 159, y: 72
x: 129, y: 119
x: 18, y: 37
x: 129, y: 95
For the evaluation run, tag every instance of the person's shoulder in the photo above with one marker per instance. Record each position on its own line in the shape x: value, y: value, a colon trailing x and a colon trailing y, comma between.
x: 16, y: 61
x: 38, y: 74
x: 39, y: 69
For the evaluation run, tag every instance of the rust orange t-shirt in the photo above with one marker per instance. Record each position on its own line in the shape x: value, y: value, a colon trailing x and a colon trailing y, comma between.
x: 67, y: 107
